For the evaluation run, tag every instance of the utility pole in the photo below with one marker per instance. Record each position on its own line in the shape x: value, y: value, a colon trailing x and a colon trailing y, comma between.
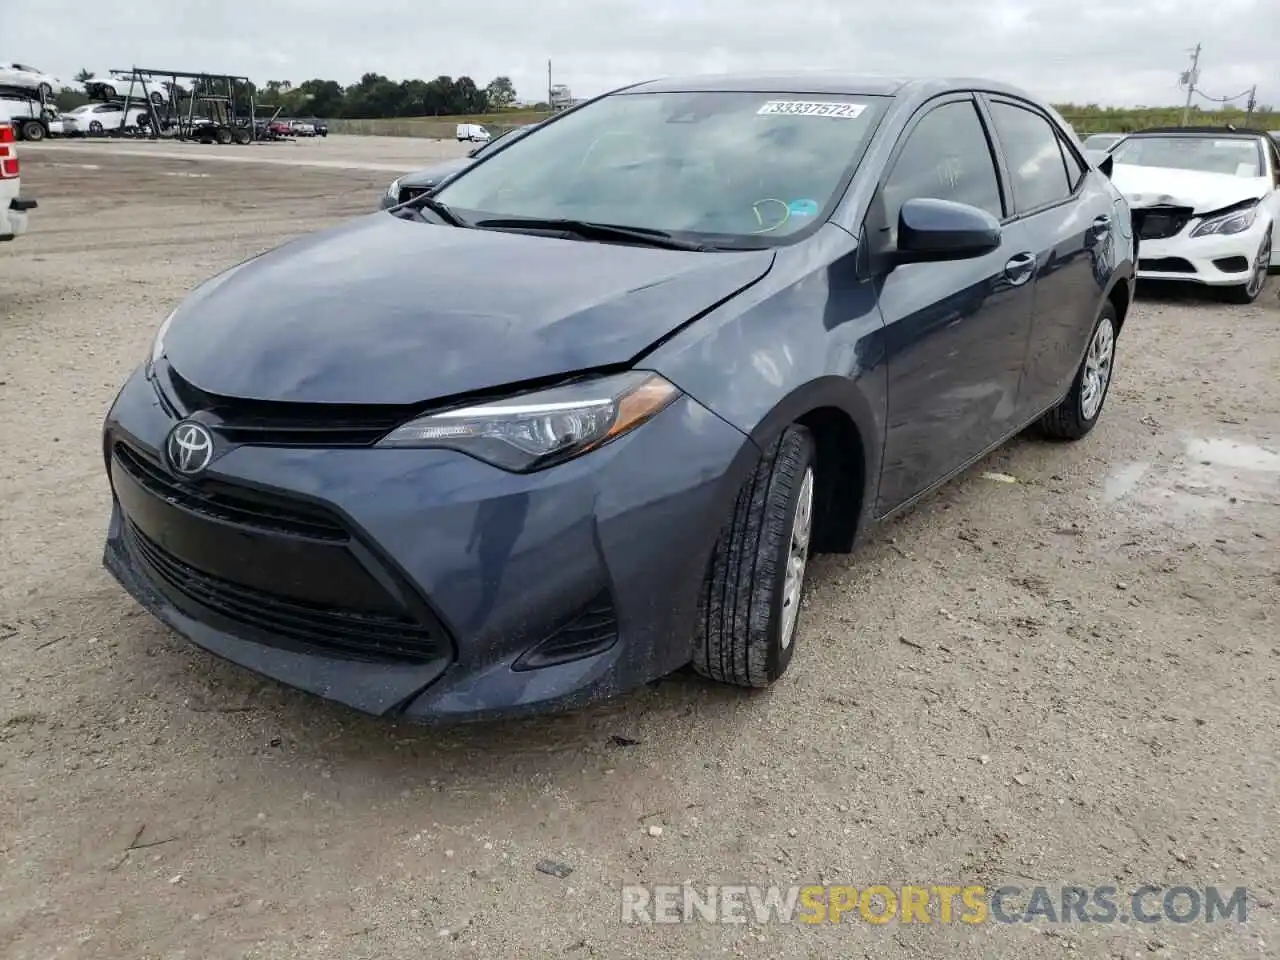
x: 1189, y: 78
x: 1253, y: 102
x: 549, y: 104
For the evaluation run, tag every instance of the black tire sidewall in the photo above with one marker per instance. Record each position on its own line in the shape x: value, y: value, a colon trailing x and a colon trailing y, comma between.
x: 778, y: 657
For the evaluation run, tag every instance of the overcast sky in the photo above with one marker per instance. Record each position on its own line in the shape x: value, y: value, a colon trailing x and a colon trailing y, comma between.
x: 1105, y: 51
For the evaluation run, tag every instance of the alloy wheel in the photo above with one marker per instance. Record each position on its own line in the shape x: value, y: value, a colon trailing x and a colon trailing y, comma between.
x: 797, y: 558
x: 1097, y: 369
x: 1260, y: 269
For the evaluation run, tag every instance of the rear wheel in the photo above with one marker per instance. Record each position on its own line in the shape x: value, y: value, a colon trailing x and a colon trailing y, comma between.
x: 1078, y: 413
x: 95, y: 127
x: 243, y: 136
x: 751, y: 601
x: 32, y: 130
x: 223, y: 135
x: 1249, y: 292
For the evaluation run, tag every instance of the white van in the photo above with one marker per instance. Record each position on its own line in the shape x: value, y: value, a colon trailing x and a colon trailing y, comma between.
x: 473, y: 132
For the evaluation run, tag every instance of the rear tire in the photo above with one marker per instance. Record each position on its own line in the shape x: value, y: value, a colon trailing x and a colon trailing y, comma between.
x: 1079, y: 411
x: 223, y: 135
x: 750, y: 608
x: 242, y: 137
x: 32, y: 130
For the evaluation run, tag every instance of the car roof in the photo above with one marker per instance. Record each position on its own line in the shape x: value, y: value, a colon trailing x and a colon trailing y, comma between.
x: 1218, y: 132
x: 819, y: 82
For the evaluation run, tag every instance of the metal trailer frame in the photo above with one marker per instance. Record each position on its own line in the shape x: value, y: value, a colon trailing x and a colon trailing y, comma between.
x: 227, y: 128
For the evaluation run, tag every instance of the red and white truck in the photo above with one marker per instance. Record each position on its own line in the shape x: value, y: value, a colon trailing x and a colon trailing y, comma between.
x: 13, y: 206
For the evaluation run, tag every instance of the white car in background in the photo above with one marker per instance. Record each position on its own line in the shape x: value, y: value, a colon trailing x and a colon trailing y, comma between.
x: 95, y: 119
x: 1205, y: 202
x: 29, y: 78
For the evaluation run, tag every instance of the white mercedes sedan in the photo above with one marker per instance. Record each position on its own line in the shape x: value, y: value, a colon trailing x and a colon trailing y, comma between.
x: 1205, y: 204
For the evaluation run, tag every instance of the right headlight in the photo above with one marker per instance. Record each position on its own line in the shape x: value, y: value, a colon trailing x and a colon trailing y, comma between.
x: 1237, y: 220
x: 393, y: 191
x: 535, y: 430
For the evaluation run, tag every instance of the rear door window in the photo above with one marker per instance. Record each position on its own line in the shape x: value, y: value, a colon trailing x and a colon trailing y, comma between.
x: 1034, y: 154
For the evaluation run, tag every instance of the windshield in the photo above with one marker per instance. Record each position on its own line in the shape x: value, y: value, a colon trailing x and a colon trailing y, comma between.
x: 1100, y: 141
x: 729, y: 164
x: 1234, y: 156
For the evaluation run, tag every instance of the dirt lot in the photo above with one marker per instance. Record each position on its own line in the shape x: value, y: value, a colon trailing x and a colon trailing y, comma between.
x: 1067, y: 679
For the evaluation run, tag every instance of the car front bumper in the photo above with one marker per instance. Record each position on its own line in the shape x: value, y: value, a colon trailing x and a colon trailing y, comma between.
x: 1218, y: 261
x: 466, y: 566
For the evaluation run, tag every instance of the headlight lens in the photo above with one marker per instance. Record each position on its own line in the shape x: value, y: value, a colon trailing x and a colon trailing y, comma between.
x: 393, y: 190
x: 535, y: 430
x: 1236, y: 221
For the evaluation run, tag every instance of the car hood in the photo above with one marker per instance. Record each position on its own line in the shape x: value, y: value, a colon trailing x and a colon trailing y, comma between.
x: 1203, y: 192
x: 386, y: 310
x: 430, y: 176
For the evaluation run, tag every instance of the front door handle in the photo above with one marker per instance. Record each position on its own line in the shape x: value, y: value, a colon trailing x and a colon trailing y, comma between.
x: 1020, y: 268
x: 1101, y: 224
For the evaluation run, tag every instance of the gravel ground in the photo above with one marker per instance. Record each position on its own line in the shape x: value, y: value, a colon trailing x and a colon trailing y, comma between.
x: 1070, y: 678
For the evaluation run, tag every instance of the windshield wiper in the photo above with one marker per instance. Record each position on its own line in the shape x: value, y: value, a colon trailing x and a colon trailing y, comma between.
x: 595, y: 231
x: 441, y: 210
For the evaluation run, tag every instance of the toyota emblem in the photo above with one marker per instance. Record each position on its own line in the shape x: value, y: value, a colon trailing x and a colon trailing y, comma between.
x: 189, y: 447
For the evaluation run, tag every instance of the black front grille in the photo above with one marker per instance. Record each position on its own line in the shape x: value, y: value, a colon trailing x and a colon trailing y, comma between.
x: 1166, y: 265
x: 287, y: 623
x: 592, y: 631
x: 1160, y: 223
x: 279, y: 423
x: 230, y: 504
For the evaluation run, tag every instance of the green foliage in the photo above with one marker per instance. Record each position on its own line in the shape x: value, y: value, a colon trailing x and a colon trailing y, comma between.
x: 1090, y: 118
x: 375, y: 97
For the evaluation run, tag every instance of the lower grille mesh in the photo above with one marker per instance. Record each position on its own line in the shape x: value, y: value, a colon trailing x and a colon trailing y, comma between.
x: 342, y: 634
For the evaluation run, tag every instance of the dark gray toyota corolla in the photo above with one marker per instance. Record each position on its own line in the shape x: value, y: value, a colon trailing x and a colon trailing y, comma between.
x: 577, y: 418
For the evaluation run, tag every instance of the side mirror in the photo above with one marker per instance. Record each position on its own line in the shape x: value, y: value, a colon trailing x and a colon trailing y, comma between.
x: 931, y: 230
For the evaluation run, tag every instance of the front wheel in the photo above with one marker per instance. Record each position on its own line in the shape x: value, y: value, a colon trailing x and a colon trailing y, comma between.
x: 751, y: 599
x: 1249, y: 292
x: 1078, y: 412
x: 95, y: 127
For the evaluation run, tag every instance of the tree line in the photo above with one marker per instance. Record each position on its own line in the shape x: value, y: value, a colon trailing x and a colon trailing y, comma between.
x: 373, y: 96
x: 376, y: 96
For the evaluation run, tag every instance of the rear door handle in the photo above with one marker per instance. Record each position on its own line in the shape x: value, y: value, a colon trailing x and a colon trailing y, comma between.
x: 1020, y: 268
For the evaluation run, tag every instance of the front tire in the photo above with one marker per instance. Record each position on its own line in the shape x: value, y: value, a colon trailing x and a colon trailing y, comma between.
x: 1079, y: 411
x: 751, y: 601
x: 1246, y: 293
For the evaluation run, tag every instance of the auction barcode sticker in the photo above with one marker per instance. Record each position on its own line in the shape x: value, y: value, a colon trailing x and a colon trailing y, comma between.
x: 813, y: 108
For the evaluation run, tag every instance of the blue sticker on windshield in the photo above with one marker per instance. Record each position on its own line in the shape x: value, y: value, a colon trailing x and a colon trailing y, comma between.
x: 803, y: 208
